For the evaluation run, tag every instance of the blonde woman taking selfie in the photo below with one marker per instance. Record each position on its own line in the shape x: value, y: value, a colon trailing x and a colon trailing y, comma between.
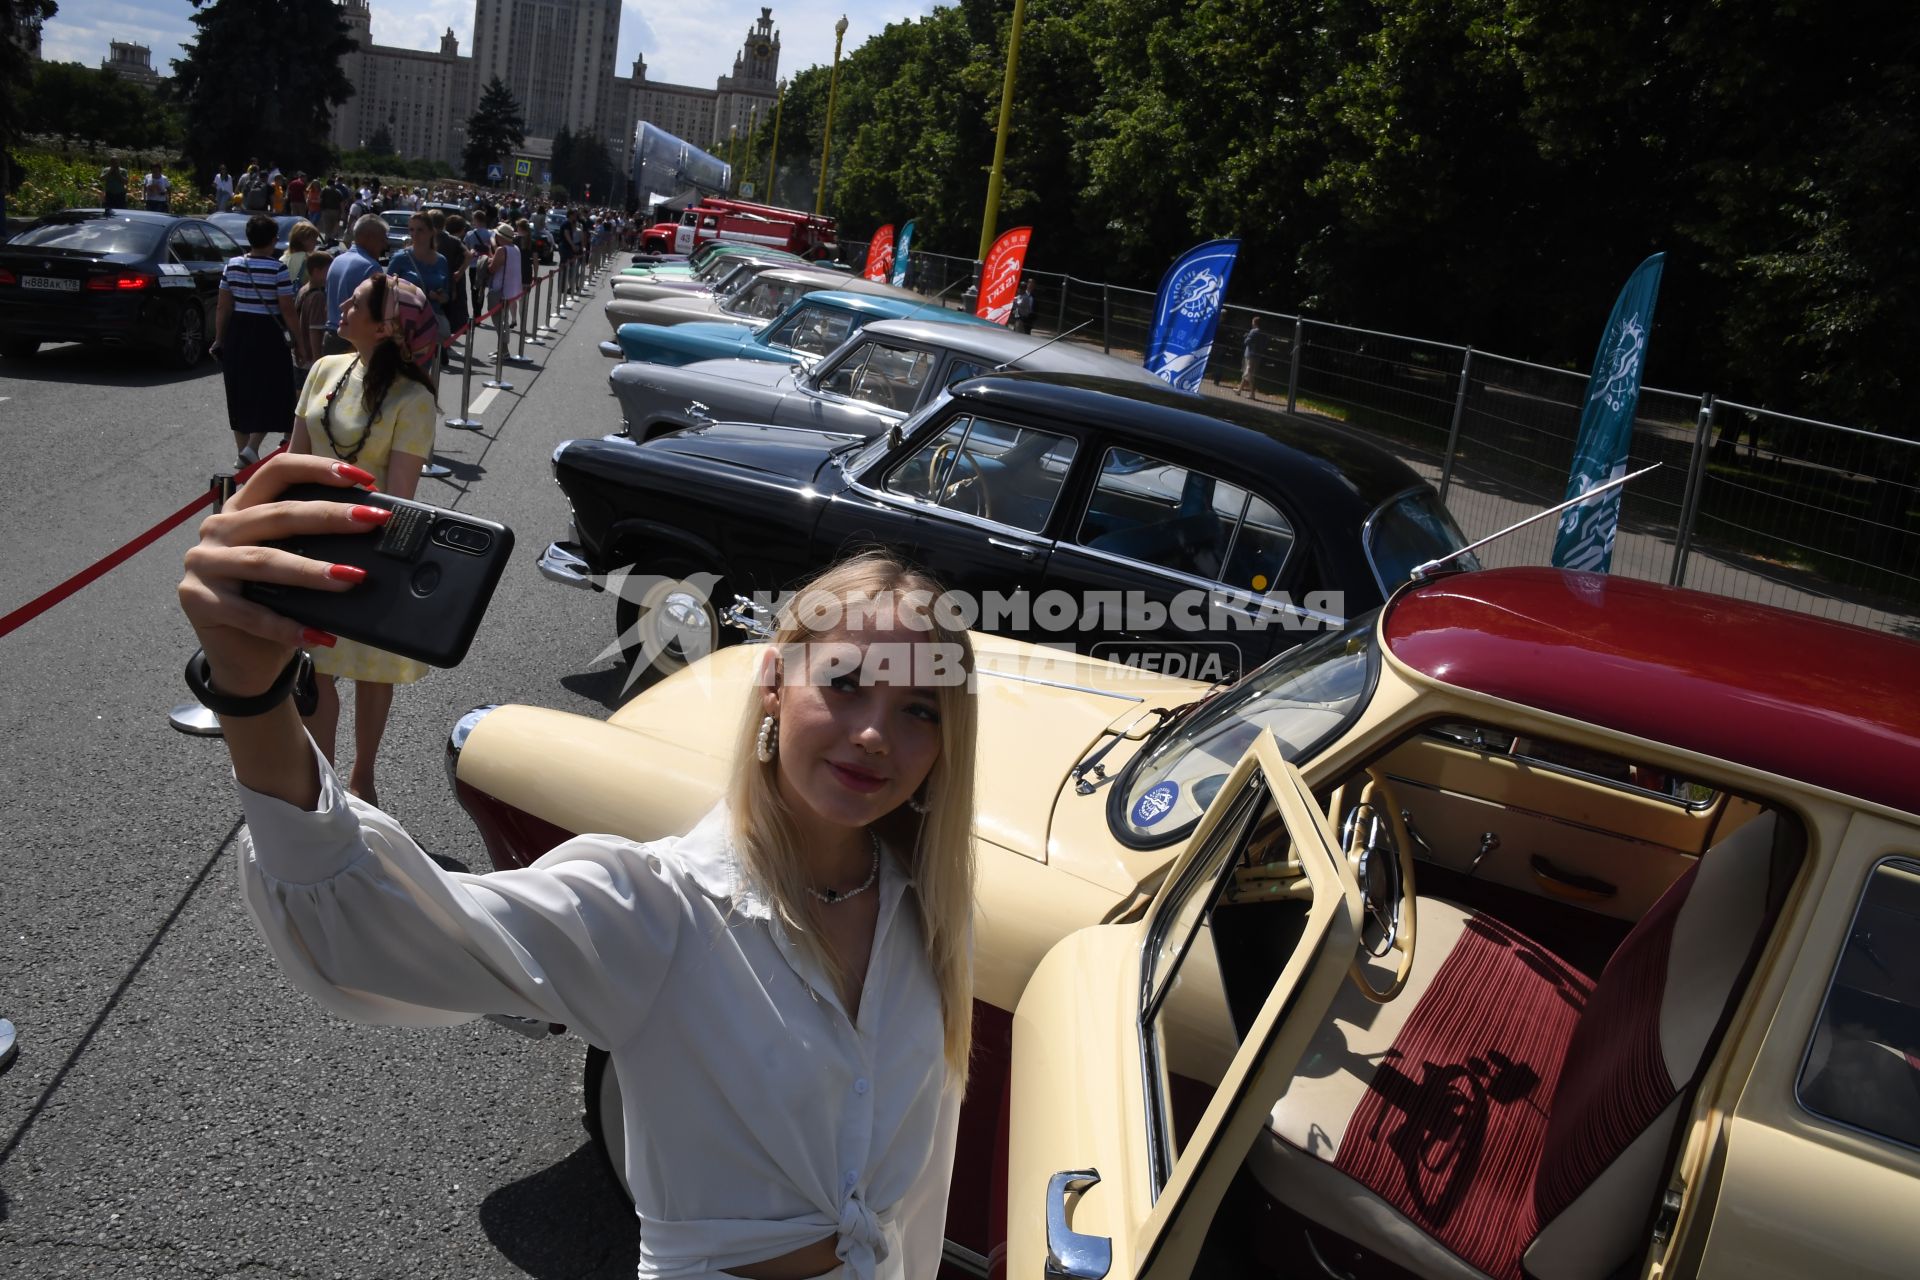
x: 785, y: 991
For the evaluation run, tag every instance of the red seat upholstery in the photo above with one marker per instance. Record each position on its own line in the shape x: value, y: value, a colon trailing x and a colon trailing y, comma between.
x: 1506, y: 1117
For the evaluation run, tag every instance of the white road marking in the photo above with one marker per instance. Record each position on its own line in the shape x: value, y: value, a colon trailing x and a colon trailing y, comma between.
x: 481, y: 401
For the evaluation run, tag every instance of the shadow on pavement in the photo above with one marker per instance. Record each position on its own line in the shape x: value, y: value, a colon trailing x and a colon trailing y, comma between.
x: 463, y: 472
x: 608, y: 686
x: 103, y: 366
x: 567, y: 1220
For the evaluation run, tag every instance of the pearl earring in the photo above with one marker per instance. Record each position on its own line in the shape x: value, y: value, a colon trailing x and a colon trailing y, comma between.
x: 919, y: 806
x: 768, y: 742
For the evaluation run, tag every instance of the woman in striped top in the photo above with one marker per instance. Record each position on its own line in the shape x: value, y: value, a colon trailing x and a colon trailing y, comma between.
x: 250, y: 340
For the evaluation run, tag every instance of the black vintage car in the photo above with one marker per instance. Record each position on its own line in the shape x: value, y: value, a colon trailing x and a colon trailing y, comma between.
x: 1137, y: 523
x: 129, y: 276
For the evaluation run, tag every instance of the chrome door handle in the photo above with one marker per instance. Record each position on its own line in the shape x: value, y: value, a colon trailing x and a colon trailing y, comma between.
x: 1071, y: 1255
x: 1024, y: 550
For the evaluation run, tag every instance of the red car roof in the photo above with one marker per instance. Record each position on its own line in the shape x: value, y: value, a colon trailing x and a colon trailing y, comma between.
x: 1833, y: 705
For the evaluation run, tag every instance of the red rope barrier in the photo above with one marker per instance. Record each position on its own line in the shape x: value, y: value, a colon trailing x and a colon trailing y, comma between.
x: 47, y: 599
x: 100, y: 568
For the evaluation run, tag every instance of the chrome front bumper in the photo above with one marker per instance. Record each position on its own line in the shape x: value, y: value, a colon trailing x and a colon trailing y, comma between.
x: 561, y: 562
x: 611, y: 350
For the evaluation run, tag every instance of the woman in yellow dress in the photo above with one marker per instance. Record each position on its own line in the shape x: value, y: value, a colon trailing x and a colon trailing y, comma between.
x: 373, y: 408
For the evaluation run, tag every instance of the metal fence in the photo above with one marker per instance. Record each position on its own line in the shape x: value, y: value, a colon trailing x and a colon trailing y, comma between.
x: 1747, y: 502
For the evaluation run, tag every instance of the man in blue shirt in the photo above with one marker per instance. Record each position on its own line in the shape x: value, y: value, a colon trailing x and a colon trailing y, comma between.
x: 346, y: 273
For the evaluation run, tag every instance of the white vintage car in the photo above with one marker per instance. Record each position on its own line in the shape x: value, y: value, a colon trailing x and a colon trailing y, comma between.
x: 1537, y: 924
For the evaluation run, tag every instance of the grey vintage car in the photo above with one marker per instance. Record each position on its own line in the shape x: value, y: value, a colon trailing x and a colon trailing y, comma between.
x: 766, y: 296
x: 875, y: 379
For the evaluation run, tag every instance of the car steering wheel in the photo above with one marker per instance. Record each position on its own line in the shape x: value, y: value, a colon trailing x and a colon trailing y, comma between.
x: 1380, y: 851
x: 967, y: 494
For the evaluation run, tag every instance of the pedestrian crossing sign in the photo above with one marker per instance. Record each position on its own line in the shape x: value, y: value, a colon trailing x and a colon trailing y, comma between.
x: 495, y: 173
x: 522, y: 168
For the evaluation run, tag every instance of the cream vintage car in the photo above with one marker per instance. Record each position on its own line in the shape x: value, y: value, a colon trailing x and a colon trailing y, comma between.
x: 1536, y: 924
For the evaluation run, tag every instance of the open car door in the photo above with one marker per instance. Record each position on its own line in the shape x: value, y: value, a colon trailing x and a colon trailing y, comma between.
x: 1147, y: 1056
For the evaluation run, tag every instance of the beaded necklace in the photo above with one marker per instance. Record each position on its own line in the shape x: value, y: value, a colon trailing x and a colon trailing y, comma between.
x: 831, y: 896
x: 326, y: 417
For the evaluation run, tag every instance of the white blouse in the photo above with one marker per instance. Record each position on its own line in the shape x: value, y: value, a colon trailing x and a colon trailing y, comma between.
x: 759, y: 1118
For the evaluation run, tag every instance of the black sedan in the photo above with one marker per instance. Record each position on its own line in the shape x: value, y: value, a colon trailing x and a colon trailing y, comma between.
x: 1131, y: 521
x: 235, y: 225
x: 85, y: 275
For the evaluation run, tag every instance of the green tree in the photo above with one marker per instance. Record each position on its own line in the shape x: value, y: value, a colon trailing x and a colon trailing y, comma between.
x: 561, y: 160
x: 1477, y: 171
x: 79, y: 102
x: 381, y: 143
x: 494, y: 129
x: 580, y: 164
x: 16, y: 72
x: 261, y: 78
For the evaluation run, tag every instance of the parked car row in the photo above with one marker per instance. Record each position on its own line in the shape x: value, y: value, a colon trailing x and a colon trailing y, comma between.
x: 815, y: 325
x: 754, y: 292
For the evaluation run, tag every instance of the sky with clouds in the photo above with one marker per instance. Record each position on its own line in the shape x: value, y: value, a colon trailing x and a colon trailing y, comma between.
x: 692, y: 42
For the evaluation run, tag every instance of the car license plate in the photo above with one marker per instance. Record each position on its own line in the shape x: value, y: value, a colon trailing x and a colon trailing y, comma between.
x: 50, y: 282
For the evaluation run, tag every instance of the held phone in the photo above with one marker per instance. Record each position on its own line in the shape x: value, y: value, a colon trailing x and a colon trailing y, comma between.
x: 430, y: 574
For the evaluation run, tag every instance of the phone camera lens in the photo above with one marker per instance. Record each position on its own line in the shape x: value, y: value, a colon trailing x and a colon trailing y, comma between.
x: 463, y: 537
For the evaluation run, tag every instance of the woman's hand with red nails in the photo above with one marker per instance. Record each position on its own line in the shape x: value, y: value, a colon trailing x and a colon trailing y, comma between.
x: 247, y: 645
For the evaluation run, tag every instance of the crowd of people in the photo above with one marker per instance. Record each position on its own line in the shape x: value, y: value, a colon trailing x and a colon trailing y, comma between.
x: 337, y: 347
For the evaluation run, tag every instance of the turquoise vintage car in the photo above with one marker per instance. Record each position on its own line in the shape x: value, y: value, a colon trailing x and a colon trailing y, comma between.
x: 812, y: 326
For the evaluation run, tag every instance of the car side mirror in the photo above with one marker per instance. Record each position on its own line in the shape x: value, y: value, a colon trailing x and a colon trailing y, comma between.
x: 894, y: 437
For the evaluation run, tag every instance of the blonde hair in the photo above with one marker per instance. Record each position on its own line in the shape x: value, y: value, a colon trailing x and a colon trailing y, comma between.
x: 940, y: 842
x: 303, y: 237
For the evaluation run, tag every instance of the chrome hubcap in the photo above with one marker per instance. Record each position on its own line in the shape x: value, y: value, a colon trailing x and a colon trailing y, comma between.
x: 686, y: 625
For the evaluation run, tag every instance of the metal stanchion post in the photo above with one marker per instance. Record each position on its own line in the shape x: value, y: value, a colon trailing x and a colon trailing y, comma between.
x: 547, y: 319
x: 499, y: 380
x: 433, y: 468
x: 524, y: 302
x: 463, y: 422
x: 537, y: 328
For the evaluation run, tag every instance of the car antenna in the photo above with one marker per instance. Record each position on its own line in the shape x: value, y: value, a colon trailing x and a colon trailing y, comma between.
x: 1005, y: 365
x: 1422, y: 570
x: 930, y: 301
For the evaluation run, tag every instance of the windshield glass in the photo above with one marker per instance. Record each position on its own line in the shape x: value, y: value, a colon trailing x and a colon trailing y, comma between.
x: 729, y: 274
x: 766, y: 298
x: 876, y: 448
x: 1304, y: 696
x: 1408, y: 531
x: 96, y: 235
x: 811, y: 330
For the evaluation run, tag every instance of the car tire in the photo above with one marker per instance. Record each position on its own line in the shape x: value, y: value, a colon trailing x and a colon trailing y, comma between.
x: 20, y: 348
x: 606, y: 1117
x: 189, y: 338
x: 670, y: 622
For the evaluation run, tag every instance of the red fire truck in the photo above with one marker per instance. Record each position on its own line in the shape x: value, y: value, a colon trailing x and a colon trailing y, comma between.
x: 743, y: 222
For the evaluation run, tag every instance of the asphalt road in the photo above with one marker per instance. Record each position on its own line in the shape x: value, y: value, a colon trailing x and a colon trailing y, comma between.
x: 177, y: 1109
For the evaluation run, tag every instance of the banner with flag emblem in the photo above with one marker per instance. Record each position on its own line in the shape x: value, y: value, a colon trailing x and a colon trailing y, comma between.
x: 1000, y: 276
x: 900, y: 250
x: 1585, y: 540
x: 1187, y: 313
x: 880, y: 254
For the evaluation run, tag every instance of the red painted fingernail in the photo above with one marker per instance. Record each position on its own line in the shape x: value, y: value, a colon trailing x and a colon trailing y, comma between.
x: 313, y: 635
x: 347, y: 471
x: 346, y: 573
x: 371, y: 515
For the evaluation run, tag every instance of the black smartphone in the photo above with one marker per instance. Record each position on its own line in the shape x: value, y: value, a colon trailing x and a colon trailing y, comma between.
x: 430, y: 575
